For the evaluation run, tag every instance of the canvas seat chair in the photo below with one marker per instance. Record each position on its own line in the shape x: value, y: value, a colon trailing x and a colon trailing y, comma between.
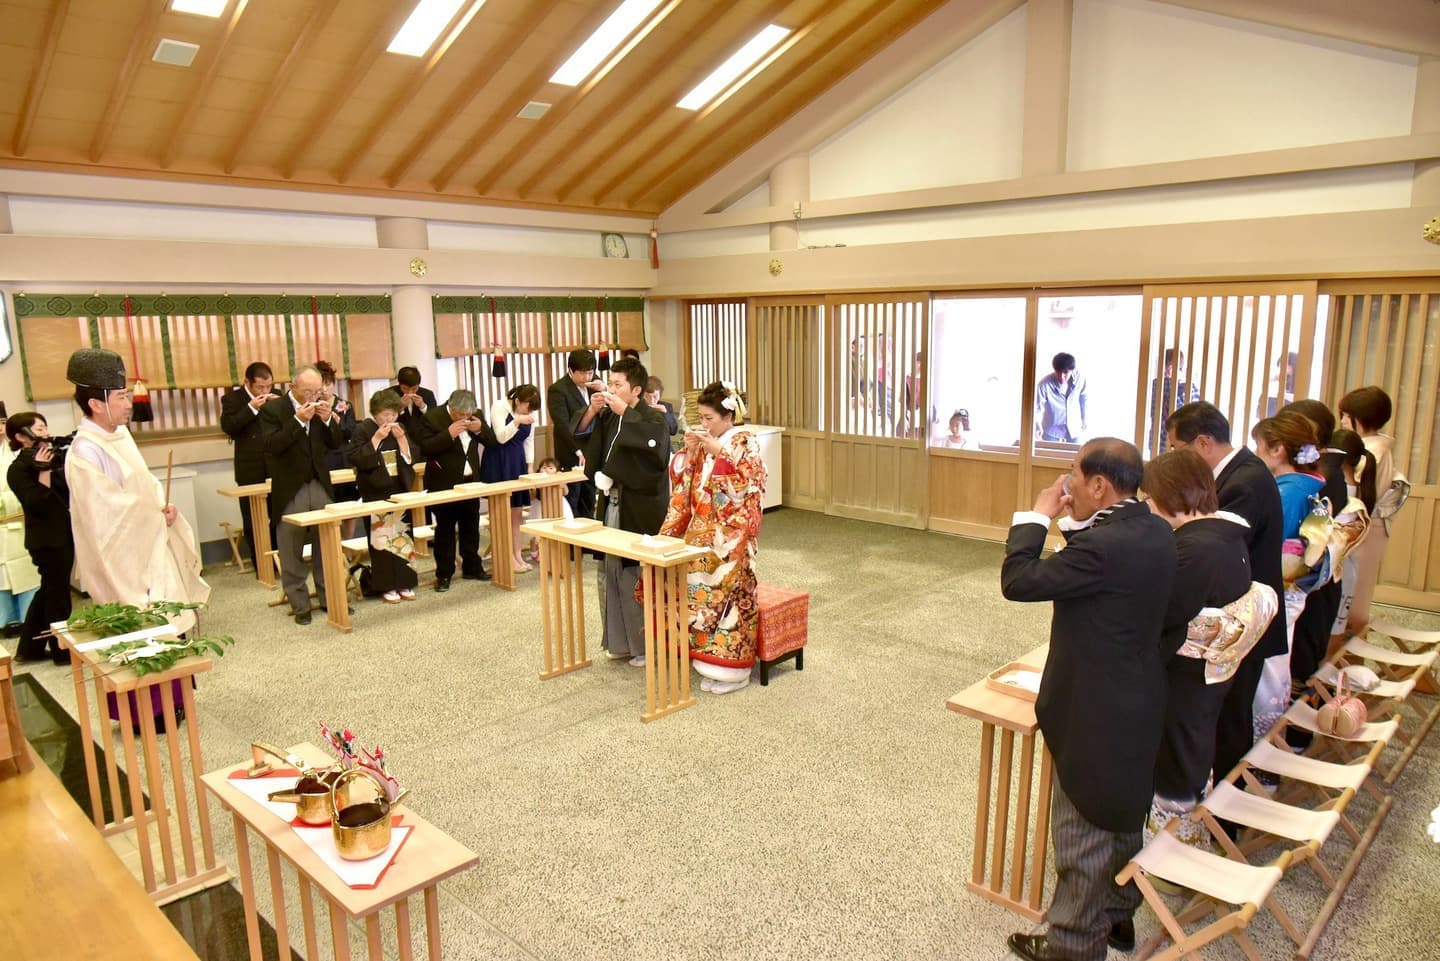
x: 1401, y: 673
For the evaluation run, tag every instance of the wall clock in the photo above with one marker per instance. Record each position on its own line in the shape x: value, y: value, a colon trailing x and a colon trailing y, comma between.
x: 614, y: 246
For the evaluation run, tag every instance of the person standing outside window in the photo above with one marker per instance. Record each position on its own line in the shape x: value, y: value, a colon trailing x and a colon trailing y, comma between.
x: 1060, y: 402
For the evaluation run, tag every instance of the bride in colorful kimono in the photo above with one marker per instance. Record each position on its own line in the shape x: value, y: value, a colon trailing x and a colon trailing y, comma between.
x: 717, y: 485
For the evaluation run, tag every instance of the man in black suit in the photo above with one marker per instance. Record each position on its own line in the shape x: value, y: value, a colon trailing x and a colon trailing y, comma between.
x: 240, y: 420
x: 566, y: 400
x: 416, y: 401
x: 1102, y: 696
x: 298, y: 430
x: 627, y: 448
x: 451, y: 437
x: 1245, y: 487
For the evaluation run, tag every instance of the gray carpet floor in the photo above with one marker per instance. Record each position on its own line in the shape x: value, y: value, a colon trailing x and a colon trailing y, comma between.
x: 829, y: 815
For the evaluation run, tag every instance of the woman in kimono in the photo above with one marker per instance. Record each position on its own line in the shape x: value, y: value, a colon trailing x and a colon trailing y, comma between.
x: 513, y: 417
x: 1212, y: 581
x: 1288, y: 446
x: 381, y: 455
x: 717, y: 486
x: 1366, y: 411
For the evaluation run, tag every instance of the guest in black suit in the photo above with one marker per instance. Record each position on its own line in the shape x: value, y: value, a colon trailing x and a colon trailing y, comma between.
x: 416, y: 401
x: 382, y: 456
x: 565, y: 400
x: 451, y: 437
x: 626, y: 452
x: 299, y: 430
x: 45, y: 498
x: 1102, y: 696
x: 654, y: 387
x: 1244, y: 486
x: 240, y: 420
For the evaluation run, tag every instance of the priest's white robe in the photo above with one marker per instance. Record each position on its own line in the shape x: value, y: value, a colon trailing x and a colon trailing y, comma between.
x: 124, y: 553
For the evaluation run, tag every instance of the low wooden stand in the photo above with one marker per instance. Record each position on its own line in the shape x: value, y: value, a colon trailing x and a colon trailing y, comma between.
x: 662, y: 580
x: 14, y: 752
x: 1011, y: 715
x: 428, y: 858
x: 195, y: 871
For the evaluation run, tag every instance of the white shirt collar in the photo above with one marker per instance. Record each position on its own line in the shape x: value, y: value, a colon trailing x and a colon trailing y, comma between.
x: 1225, y: 462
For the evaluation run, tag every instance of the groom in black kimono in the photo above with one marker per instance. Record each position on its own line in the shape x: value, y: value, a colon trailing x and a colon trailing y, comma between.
x: 1102, y: 696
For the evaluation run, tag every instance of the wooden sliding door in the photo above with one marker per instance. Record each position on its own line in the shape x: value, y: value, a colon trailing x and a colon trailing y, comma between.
x: 877, y: 348
x: 1387, y: 333
x: 787, y: 362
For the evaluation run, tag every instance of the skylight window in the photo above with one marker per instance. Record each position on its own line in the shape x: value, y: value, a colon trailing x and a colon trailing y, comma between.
x: 424, y: 24
x: 603, y: 41
x: 202, y: 8
x: 741, y: 61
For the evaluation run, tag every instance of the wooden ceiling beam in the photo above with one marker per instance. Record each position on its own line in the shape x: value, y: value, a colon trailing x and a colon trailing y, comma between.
x: 402, y: 98
x: 171, y: 145
x: 665, y: 104
x: 134, y: 56
x: 39, y: 74
x: 469, y: 88
x: 328, y: 109
x: 511, y: 106
x: 870, y: 42
x: 548, y: 123
x: 304, y: 40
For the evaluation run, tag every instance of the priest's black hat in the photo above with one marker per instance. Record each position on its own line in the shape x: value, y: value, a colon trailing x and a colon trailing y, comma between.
x: 97, y: 368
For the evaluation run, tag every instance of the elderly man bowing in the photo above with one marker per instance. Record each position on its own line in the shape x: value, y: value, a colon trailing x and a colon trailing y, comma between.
x: 1102, y: 696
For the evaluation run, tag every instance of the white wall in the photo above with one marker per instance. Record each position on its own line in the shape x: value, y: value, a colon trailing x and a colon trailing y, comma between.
x: 63, y: 217
x: 446, y: 235
x: 715, y: 243
x: 1153, y: 82
x: 959, y: 122
x: 1370, y: 188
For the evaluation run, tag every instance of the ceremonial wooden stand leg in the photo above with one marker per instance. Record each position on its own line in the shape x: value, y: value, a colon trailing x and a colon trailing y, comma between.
x: 332, y: 557
x: 562, y: 608
x: 994, y: 888
x: 260, y: 526
x: 502, y: 543
x: 667, y: 642
x: 550, y: 503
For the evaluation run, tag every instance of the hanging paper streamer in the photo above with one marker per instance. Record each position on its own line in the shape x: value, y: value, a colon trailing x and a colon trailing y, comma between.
x: 603, y: 354
x: 497, y: 365
x: 315, y: 324
x: 141, y: 411
x: 654, y: 248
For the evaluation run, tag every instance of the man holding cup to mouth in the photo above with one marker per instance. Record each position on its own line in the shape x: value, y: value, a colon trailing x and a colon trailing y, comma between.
x: 626, y: 445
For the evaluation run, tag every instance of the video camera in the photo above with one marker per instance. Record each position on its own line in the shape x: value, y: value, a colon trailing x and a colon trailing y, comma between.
x: 60, y: 445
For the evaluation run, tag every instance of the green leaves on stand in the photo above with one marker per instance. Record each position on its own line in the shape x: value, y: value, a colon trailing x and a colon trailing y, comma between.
x: 110, y: 620
x: 173, y: 652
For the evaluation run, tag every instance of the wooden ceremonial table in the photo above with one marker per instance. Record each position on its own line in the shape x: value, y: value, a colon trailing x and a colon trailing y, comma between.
x: 256, y: 498
x: 662, y: 580
x: 329, y: 519
x: 428, y: 857
x: 90, y: 670
x: 1012, y: 715
x: 14, y: 753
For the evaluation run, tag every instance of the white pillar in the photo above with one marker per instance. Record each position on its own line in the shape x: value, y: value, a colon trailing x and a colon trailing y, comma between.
x: 789, y: 185
x: 410, y: 305
x: 1425, y: 185
x: 6, y: 226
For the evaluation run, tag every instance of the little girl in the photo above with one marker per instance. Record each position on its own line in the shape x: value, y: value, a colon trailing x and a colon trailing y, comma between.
x: 513, y: 418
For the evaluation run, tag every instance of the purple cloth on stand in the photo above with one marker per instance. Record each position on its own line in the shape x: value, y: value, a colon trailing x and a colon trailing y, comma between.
x: 112, y: 704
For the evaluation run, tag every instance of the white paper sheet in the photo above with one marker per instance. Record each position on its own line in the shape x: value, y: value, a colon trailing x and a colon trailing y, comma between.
x: 354, y: 873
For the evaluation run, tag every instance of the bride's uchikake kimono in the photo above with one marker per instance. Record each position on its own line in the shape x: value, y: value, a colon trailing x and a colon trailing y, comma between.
x: 715, y: 502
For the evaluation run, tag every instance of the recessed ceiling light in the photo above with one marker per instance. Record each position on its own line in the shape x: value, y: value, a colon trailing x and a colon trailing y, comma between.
x: 742, y: 60
x: 603, y: 41
x: 423, y: 25
x: 533, y: 110
x: 203, y: 8
x: 177, y: 53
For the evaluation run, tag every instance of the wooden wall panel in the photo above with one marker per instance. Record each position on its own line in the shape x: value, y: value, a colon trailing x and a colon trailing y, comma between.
x: 805, y: 455
x: 972, y: 495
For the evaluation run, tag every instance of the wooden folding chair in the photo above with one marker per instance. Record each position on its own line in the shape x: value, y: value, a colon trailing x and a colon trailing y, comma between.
x: 1393, y: 697
x: 1330, y: 747
x: 1218, y: 882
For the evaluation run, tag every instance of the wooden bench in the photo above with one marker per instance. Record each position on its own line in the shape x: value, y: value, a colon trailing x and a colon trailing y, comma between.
x: 68, y: 896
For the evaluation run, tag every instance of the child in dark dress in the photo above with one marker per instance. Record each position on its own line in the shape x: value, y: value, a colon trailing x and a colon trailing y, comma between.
x: 381, y: 454
x: 513, y: 419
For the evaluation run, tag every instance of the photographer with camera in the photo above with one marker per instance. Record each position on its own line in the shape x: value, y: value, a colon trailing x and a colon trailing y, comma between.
x: 37, y: 478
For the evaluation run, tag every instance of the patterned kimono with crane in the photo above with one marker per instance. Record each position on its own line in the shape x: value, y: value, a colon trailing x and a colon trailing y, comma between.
x: 715, y: 502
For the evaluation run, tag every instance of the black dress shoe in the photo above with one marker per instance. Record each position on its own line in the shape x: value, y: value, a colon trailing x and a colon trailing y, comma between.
x: 302, y: 618
x: 442, y: 584
x: 1122, y: 936
x: 484, y: 575
x: 1034, y: 947
x: 60, y: 657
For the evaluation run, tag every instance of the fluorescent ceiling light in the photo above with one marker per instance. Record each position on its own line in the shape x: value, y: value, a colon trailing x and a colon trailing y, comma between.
x: 742, y: 60
x: 603, y: 41
x: 203, y: 8
x: 424, y: 24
